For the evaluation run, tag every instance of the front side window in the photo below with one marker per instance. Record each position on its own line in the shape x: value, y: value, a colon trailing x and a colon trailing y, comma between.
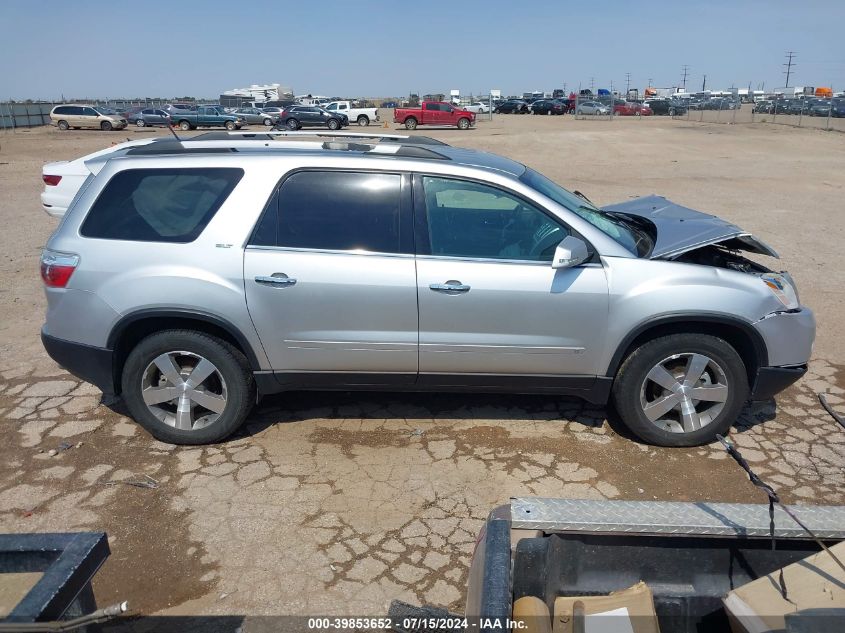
x: 347, y: 211
x: 468, y: 219
x: 159, y: 205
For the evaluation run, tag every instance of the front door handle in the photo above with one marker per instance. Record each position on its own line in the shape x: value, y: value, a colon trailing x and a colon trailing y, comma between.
x: 277, y: 280
x: 450, y: 286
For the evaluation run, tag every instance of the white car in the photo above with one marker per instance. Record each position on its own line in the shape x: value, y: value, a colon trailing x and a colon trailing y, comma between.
x: 63, y: 179
x: 478, y: 107
x: 362, y: 116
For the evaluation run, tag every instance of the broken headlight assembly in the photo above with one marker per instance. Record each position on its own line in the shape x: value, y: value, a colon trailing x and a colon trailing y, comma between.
x: 783, y: 288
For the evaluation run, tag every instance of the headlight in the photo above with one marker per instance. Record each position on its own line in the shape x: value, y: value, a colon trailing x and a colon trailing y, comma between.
x: 782, y: 288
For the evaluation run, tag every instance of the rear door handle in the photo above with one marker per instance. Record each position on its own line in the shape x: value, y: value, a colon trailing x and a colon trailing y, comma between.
x: 276, y: 279
x: 450, y: 286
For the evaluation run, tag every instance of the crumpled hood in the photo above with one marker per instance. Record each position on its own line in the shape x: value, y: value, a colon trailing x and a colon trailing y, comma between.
x: 680, y: 229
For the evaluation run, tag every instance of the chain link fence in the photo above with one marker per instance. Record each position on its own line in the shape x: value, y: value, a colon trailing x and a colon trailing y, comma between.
x: 810, y: 112
x: 15, y: 115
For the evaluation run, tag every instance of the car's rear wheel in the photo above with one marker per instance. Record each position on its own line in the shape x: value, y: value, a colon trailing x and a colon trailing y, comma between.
x: 410, y: 123
x: 363, y: 120
x: 63, y: 125
x: 463, y: 123
x: 184, y: 126
x: 187, y: 387
x: 332, y: 124
x: 106, y: 126
x: 292, y: 124
x: 140, y: 122
x: 681, y: 389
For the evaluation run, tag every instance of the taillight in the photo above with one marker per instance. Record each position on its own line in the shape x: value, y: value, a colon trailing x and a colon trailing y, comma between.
x: 56, y: 268
x: 51, y: 180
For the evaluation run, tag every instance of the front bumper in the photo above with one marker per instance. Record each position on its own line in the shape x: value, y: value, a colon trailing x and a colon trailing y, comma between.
x: 89, y: 363
x: 772, y: 380
x: 788, y: 336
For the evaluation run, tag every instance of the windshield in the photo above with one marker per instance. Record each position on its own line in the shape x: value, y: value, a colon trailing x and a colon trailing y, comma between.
x: 627, y: 233
x: 103, y: 110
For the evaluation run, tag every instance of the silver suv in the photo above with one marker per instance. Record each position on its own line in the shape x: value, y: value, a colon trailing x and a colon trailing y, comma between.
x: 193, y: 277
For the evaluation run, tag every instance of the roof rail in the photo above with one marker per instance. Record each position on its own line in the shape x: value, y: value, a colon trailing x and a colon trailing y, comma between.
x: 225, y: 145
x: 404, y: 139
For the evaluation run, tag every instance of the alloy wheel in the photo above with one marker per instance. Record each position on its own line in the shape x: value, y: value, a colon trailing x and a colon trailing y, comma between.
x: 684, y: 392
x: 184, y: 390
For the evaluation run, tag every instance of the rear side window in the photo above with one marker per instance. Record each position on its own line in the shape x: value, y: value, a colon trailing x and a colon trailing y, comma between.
x: 159, y: 205
x: 334, y: 211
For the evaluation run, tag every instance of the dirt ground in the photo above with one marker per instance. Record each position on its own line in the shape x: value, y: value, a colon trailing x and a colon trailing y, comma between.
x: 337, y: 503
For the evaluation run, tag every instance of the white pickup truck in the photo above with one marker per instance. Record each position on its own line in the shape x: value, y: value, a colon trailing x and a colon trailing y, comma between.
x: 362, y: 115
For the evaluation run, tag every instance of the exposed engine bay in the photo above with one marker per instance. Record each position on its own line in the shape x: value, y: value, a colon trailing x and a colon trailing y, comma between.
x: 722, y: 256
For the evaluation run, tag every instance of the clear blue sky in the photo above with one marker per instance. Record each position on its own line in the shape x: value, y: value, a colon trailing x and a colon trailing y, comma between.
x: 83, y: 48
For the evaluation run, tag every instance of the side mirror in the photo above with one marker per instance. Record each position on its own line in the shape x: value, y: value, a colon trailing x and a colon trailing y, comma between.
x: 572, y: 251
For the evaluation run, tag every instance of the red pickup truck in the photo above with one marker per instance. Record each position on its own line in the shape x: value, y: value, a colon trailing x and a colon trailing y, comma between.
x: 434, y: 113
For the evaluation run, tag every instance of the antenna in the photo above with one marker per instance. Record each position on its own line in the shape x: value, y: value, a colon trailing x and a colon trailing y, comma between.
x: 173, y: 132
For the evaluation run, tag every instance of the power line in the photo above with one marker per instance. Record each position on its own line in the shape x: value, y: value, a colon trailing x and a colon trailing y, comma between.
x: 789, y: 64
x: 686, y: 72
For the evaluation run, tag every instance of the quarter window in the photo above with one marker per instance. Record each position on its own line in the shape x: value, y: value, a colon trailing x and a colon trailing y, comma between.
x: 468, y: 219
x: 348, y: 211
x: 159, y: 205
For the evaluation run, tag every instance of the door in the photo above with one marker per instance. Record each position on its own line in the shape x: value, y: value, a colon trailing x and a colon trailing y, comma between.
x: 330, y: 279
x: 90, y: 118
x: 490, y: 303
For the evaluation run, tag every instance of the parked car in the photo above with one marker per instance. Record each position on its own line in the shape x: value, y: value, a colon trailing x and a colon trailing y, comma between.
x: 434, y: 113
x: 837, y: 108
x: 190, y: 282
x: 630, y: 108
x: 86, y: 116
x: 591, y: 107
x: 63, y: 179
x: 298, y: 116
x: 149, y: 116
x: 512, y: 106
x: 256, y: 116
x: 477, y: 108
x: 667, y: 107
x: 389, y: 104
x: 763, y: 106
x: 206, y: 116
x: 819, y: 107
x: 549, y: 106
x: 362, y: 116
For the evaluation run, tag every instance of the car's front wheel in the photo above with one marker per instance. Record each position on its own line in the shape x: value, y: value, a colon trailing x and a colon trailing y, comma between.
x: 230, y: 125
x: 333, y: 124
x: 681, y: 389
x: 187, y: 387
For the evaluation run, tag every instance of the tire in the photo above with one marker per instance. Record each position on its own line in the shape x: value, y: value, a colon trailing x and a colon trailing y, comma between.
x: 63, y: 125
x: 230, y: 125
x: 333, y: 124
x: 463, y: 123
x: 230, y: 385
x: 184, y: 126
x: 363, y: 120
x: 292, y: 124
x: 268, y: 122
x: 140, y: 122
x: 410, y: 123
x: 106, y: 126
x: 635, y: 388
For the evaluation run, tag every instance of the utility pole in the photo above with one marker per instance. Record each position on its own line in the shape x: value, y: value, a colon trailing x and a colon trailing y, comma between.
x: 686, y: 72
x: 592, y: 82
x: 704, y: 84
x: 789, y: 64
x: 627, y: 84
